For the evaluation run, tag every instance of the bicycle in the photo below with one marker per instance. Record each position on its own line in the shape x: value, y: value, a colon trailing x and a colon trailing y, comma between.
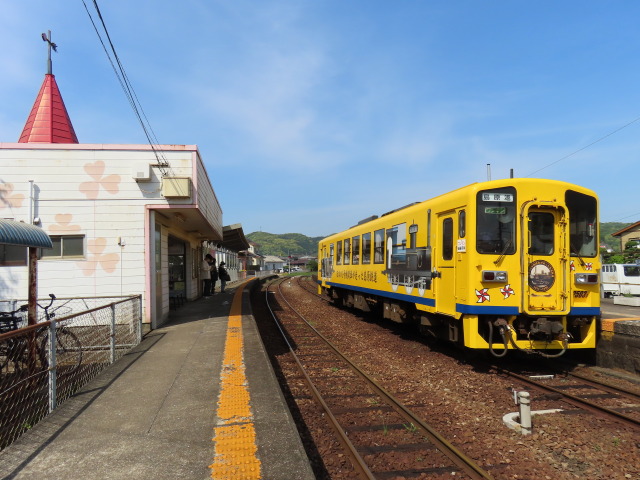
x: 68, y: 346
x: 13, y: 351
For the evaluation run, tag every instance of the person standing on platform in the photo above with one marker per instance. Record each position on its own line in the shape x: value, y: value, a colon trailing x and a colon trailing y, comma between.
x: 224, y: 276
x: 205, y: 273
x: 214, y: 276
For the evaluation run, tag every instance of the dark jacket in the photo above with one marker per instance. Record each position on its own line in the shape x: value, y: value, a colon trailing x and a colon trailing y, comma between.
x: 223, y: 272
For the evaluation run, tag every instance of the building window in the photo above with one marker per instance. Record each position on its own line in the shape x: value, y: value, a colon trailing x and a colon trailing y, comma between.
x: 65, y: 246
x: 366, y: 248
x: 13, y: 255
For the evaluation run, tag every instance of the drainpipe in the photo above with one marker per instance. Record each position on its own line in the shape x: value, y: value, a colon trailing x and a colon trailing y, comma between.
x: 30, y: 202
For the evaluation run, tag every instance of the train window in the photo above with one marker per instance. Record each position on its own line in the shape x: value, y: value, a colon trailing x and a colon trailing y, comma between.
x: 541, y: 233
x: 331, y: 250
x: 339, y: 253
x: 398, y: 237
x: 496, y: 221
x: 447, y: 239
x: 582, y: 224
x: 378, y: 246
x: 462, y: 223
x: 366, y: 248
x: 355, y: 255
x: 347, y: 251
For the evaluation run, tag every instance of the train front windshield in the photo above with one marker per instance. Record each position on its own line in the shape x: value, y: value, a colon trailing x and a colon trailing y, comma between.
x: 582, y: 224
x: 496, y: 221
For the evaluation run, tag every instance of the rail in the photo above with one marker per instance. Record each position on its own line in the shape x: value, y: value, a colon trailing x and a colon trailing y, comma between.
x: 44, y: 364
x: 463, y: 464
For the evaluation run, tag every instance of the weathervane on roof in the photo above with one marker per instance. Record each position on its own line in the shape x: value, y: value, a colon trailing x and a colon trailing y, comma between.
x: 47, y: 38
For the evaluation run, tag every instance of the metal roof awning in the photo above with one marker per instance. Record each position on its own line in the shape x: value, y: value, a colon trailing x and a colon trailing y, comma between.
x: 20, y: 233
x: 233, y: 238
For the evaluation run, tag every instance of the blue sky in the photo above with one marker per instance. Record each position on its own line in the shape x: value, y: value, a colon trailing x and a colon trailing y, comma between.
x: 311, y: 115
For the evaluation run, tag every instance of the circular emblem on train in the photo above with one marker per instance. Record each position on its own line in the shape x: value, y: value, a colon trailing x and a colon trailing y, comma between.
x: 541, y: 275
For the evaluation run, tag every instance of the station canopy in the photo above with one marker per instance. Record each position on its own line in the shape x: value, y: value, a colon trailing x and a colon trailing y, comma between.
x: 233, y: 238
x: 20, y: 233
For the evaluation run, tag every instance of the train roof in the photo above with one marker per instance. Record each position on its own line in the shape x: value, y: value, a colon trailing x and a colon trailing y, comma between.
x: 472, y: 187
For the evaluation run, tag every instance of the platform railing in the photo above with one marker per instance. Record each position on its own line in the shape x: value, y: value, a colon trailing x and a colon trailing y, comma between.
x: 42, y: 365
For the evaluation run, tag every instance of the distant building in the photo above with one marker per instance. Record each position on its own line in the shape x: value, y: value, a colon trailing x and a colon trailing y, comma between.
x: 627, y: 234
x: 273, y: 263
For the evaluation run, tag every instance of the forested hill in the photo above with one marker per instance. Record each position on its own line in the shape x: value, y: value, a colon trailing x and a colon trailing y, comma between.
x: 299, y: 245
x: 285, y: 244
x: 606, y: 229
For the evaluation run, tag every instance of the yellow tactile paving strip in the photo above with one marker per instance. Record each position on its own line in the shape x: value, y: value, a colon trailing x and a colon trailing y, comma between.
x: 235, y: 436
x: 608, y: 323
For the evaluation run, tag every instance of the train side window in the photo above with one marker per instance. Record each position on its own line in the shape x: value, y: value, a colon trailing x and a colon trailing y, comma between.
x: 366, y: 248
x: 355, y: 256
x: 583, y: 235
x: 447, y: 239
x: 331, y: 250
x: 347, y: 251
x: 462, y: 223
x: 398, y: 237
x: 378, y: 252
x: 339, y: 253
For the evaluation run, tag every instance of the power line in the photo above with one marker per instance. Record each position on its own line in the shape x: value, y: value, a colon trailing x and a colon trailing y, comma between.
x: 628, y: 216
x: 128, y: 89
x: 585, y: 147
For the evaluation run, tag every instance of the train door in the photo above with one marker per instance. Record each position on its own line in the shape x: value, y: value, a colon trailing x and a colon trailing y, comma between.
x: 444, y: 262
x: 545, y: 256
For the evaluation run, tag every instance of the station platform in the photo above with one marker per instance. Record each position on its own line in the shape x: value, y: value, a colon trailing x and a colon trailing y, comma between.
x: 619, y: 342
x: 196, y: 399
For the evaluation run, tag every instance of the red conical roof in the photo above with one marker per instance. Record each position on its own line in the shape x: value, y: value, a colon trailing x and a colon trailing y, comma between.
x: 48, y: 121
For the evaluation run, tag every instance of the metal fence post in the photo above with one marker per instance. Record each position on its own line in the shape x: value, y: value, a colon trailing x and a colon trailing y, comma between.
x: 113, y: 333
x: 53, y: 367
x: 139, y: 319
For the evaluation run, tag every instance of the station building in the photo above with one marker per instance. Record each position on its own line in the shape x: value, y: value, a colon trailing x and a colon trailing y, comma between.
x: 124, y: 219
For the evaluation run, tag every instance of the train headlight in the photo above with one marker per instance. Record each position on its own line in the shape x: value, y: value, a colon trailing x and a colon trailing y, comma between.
x: 586, y: 278
x: 494, y: 276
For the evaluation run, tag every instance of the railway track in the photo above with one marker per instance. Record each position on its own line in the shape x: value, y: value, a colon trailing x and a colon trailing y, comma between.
x: 383, y: 438
x: 599, y: 398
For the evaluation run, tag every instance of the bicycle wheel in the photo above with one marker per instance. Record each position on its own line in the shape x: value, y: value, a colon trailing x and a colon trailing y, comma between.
x: 68, y: 350
x: 13, y: 356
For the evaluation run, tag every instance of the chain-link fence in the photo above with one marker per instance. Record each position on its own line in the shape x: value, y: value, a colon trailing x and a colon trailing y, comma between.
x: 44, y: 364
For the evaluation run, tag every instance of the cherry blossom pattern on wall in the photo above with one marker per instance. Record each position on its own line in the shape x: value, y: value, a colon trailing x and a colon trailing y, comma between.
x: 8, y: 198
x: 91, y: 189
x: 63, y: 224
x: 107, y: 261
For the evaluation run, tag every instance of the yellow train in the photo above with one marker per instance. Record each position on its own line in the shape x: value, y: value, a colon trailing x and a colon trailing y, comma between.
x: 498, y: 265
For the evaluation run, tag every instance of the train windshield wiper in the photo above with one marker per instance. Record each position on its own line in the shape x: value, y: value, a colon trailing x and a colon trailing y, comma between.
x: 575, y: 252
x: 504, y: 251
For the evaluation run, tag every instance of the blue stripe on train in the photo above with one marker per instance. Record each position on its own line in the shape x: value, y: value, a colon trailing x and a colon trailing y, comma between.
x: 460, y: 307
x: 397, y: 296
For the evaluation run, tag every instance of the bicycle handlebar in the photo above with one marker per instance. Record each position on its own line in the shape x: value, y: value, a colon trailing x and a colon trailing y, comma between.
x: 21, y: 308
